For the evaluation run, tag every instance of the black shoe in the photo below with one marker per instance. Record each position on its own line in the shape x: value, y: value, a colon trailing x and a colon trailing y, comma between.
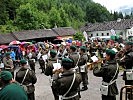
x: 84, y: 88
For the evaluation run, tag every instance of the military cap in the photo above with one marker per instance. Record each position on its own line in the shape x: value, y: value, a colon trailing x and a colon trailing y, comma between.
x: 6, y: 75
x: 128, y: 43
x: 110, y: 52
x: 8, y: 53
x: 23, y: 61
x: 83, y: 48
x: 67, y: 60
x: 73, y: 47
x: 53, y: 52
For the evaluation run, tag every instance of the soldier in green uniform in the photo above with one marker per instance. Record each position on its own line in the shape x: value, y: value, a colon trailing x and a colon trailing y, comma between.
x: 109, y: 72
x: 10, y: 89
x: 32, y: 59
x: 74, y: 55
x: 127, y: 63
x: 29, y: 80
x: 67, y: 84
x: 8, y: 63
x: 49, y: 70
x: 82, y: 64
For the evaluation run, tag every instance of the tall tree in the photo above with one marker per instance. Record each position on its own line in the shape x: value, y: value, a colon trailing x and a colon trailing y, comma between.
x: 95, y: 11
x: 28, y: 17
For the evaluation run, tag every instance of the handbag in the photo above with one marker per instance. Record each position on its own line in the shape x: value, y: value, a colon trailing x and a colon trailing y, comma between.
x: 82, y: 68
x: 105, y: 85
x: 24, y: 86
x: 129, y: 74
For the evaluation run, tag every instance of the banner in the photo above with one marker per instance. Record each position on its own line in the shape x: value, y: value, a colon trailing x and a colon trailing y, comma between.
x: 85, y: 35
x: 113, y: 32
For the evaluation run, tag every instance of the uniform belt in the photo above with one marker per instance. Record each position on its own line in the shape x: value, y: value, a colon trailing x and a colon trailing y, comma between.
x: 128, y: 69
x: 105, y: 83
x: 29, y: 84
x: 70, y: 97
x: 31, y: 59
x: 7, y: 68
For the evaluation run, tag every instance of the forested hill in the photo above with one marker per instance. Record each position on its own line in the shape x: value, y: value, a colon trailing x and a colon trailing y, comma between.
x: 39, y: 14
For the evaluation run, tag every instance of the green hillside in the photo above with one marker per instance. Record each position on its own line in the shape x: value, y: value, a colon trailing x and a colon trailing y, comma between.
x: 18, y: 15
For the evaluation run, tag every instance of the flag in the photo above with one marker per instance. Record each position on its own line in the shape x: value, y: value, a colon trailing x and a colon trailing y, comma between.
x: 85, y: 35
x: 113, y: 32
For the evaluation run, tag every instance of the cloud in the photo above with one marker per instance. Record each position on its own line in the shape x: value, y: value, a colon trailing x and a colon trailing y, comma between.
x: 115, y: 5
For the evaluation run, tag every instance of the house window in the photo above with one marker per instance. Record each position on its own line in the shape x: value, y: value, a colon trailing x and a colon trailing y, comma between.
x: 97, y: 34
x: 107, y: 34
x: 91, y: 35
x: 121, y: 33
x: 102, y: 34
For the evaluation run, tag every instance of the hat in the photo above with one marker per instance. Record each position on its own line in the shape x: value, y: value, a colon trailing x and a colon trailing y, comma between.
x: 67, y: 60
x: 110, y: 52
x: 67, y: 63
x: 23, y: 61
x: 73, y: 47
x: 8, y: 53
x: 128, y: 43
x: 6, y: 75
x: 83, y: 48
x: 53, y: 52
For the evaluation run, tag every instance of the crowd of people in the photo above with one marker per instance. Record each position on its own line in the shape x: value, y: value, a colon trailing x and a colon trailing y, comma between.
x: 67, y: 66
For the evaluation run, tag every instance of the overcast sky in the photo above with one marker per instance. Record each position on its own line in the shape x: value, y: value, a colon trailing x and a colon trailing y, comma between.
x: 115, y: 4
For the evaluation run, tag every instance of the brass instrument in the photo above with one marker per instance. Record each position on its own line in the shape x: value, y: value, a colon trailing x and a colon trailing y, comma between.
x: 91, y: 65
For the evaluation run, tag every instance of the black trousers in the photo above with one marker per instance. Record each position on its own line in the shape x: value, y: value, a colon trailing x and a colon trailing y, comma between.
x: 42, y: 65
x: 108, y: 97
x: 56, y: 97
x: 32, y: 65
x: 31, y: 96
x: 84, y: 78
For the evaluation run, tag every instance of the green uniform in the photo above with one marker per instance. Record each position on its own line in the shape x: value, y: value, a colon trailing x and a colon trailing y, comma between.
x: 29, y: 81
x: 107, y: 72
x: 13, y: 92
x: 49, y: 72
x: 31, y: 61
x: 63, y: 83
x: 75, y: 56
x: 83, y: 71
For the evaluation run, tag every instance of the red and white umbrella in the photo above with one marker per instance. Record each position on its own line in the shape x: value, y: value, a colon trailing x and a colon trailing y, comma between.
x: 3, y: 46
x: 14, y: 42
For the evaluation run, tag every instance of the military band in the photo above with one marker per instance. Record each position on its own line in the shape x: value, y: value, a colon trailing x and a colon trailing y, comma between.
x: 67, y: 68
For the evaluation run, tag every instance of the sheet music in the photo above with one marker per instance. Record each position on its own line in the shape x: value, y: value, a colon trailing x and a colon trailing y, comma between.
x: 94, y: 58
x: 44, y: 57
x: 56, y: 66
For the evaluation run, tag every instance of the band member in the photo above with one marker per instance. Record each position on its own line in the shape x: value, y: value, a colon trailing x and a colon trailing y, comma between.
x: 32, y: 59
x: 10, y: 90
x: 127, y: 63
x: 109, y: 72
x: 74, y: 55
x: 67, y: 84
x: 28, y: 78
x: 49, y: 71
x: 83, y: 67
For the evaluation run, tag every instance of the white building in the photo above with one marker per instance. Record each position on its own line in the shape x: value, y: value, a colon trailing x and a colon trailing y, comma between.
x: 123, y: 27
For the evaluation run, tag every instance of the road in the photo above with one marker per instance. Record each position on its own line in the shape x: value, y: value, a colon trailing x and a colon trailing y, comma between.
x: 43, y: 90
